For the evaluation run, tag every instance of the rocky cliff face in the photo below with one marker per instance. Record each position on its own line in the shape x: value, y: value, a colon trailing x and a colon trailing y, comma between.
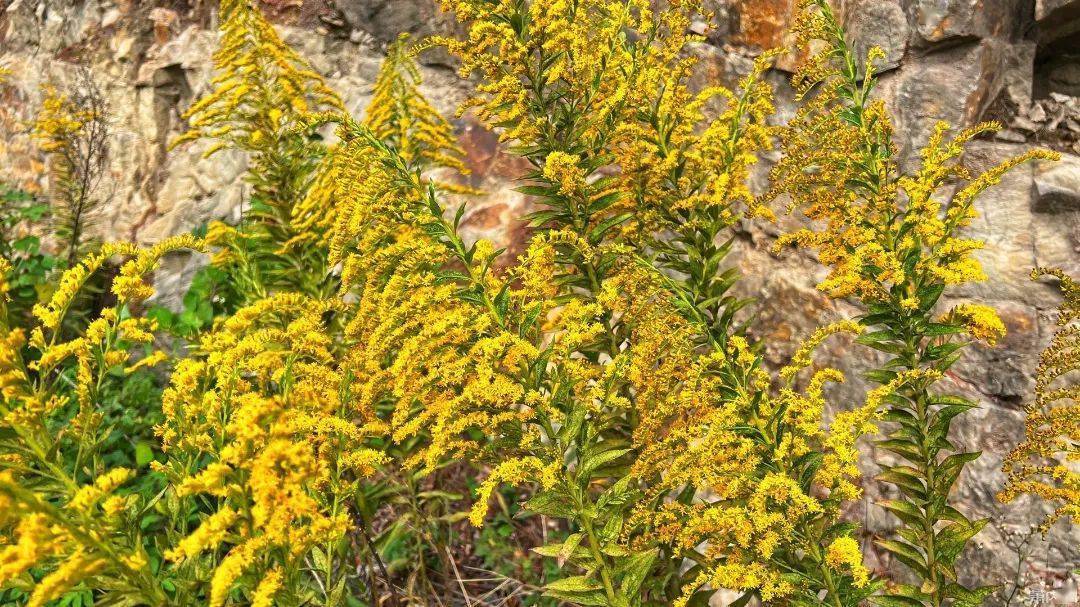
x: 1017, y: 61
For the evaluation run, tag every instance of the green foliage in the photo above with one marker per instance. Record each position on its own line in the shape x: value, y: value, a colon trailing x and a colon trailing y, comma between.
x: 31, y: 267
x: 202, y: 303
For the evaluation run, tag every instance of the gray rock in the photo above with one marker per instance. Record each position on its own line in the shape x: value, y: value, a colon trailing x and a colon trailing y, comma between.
x: 1045, y: 8
x: 937, y: 21
x: 1064, y: 78
x: 1017, y: 79
x: 1010, y: 135
x: 386, y: 19
x: 1057, y: 185
x: 955, y: 86
x: 879, y: 23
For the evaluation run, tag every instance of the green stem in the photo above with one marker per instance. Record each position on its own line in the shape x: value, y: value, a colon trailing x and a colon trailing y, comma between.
x: 601, y: 562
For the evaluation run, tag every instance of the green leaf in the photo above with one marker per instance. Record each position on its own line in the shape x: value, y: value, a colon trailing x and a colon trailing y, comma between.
x: 164, y: 317
x: 905, y: 511
x: 895, y: 600
x: 880, y: 376
x: 701, y: 598
x: 945, y: 415
x: 904, y: 477
x: 593, y: 598
x: 573, y: 423
x: 569, y: 546
x: 951, y: 467
x: 950, y: 541
x: 593, y: 462
x: 575, y: 583
x: 144, y: 454
x: 810, y: 465
x: 907, y: 554
x: 902, y: 447
x: 618, y: 494
x: 550, y: 503
x: 26, y: 244
x: 936, y: 329
x: 634, y: 571
x: 562, y: 551
x: 602, y: 228
x: 968, y: 597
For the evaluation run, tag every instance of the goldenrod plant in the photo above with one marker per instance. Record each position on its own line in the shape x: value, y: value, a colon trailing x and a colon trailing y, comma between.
x: 397, y: 115
x: 894, y: 242
x: 261, y: 92
x: 1043, y: 464
x: 604, y: 382
x: 262, y: 429
x: 573, y: 109
x: 400, y: 116
x: 547, y: 411
x: 72, y: 130
x: 66, y: 519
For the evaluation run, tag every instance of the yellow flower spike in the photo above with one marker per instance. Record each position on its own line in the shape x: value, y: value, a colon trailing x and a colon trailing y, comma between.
x: 980, y: 321
x: 267, y: 588
x: 34, y: 541
x: 230, y: 568
x: 844, y: 554
x: 1043, y: 464
x: 73, y: 570
x: 152, y: 360
x: 5, y: 269
x: 51, y: 313
x: 802, y: 357
x: 562, y: 169
x: 253, y: 64
x: 209, y: 534
x: 113, y: 506
x: 129, y: 286
x: 512, y: 471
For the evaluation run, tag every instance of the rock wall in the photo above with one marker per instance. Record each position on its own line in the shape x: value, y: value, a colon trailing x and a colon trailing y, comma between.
x: 1017, y: 61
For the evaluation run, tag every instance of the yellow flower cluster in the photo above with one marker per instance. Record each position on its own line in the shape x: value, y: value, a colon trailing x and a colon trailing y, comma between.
x: 98, y: 349
x: 75, y: 530
x: 70, y: 538
x: 5, y: 269
x: 262, y: 89
x: 981, y: 322
x: 401, y: 117
x: 602, y: 367
x: 844, y: 553
x: 869, y: 232
x: 893, y: 240
x: 262, y: 92
x: 511, y: 471
x: 694, y: 433
x: 446, y: 363
x: 1044, y: 464
x: 563, y: 169
x: 52, y: 313
x: 616, y: 55
x: 266, y: 403
x: 60, y: 121
x: 349, y: 170
x: 682, y: 170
